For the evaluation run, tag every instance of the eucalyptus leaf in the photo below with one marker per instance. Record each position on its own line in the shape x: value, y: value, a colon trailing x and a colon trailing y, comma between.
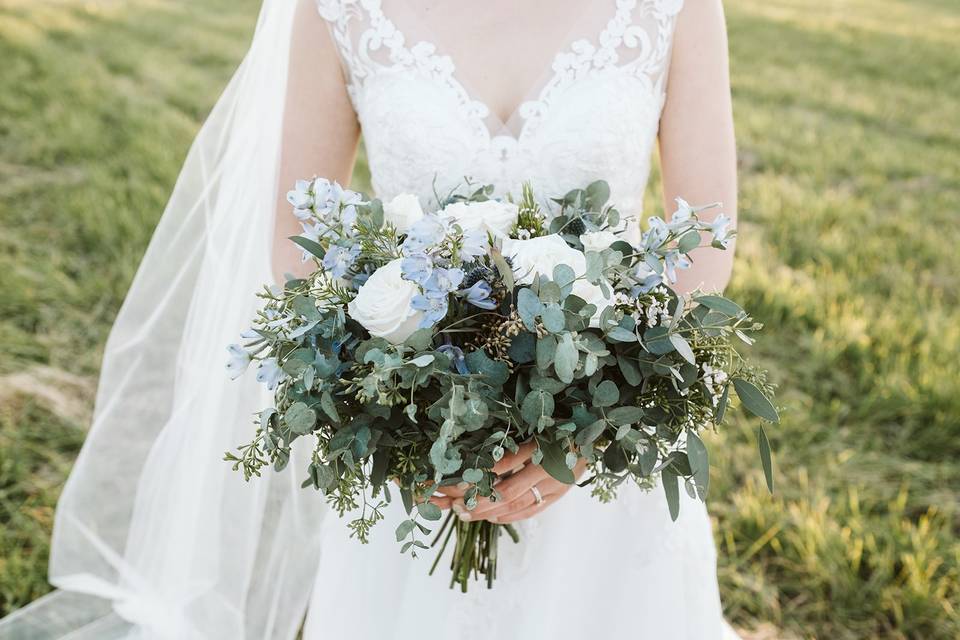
x: 754, y: 401
x: 765, y: 458
x: 554, y: 462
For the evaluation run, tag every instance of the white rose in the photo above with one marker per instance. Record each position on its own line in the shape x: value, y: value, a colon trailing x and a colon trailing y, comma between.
x: 382, y: 304
x: 541, y: 255
x: 491, y: 215
x: 402, y: 211
x: 598, y: 240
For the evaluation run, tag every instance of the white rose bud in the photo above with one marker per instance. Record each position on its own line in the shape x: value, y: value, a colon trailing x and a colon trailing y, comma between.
x: 491, y: 215
x: 541, y: 255
x: 598, y: 240
x: 402, y: 212
x: 382, y: 304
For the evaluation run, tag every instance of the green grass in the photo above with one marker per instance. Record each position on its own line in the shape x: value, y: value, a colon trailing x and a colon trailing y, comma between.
x: 848, y: 120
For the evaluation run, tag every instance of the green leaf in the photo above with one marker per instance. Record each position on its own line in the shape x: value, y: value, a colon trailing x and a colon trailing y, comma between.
x: 564, y: 276
x: 328, y: 406
x: 554, y: 461
x: 404, y: 529
x: 699, y: 463
x: 423, y: 361
x: 656, y: 340
x: 606, y: 395
x: 553, y: 318
x: 420, y: 340
x: 506, y: 273
x: 721, y: 305
x: 565, y: 361
x: 523, y: 348
x: 619, y: 334
x: 472, y: 475
x: 300, y: 418
x: 549, y: 292
x: 625, y: 415
x: 528, y: 307
x: 688, y: 242
x: 598, y: 193
x: 589, y: 434
x: 536, y: 404
x: 429, y: 511
x: 546, y: 350
x: 671, y: 488
x: 479, y: 362
x: 722, y: 405
x: 765, y: 459
x: 754, y: 401
x: 683, y: 347
x: 630, y: 370
x: 311, y: 246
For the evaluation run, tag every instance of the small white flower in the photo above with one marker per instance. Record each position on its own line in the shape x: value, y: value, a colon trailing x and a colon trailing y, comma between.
x: 493, y: 216
x: 597, y: 240
x: 402, y: 212
x: 383, y: 304
x: 270, y: 373
x: 682, y: 215
x: 238, y: 362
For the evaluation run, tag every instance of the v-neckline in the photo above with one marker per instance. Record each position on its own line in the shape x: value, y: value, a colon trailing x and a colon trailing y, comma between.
x: 508, y: 129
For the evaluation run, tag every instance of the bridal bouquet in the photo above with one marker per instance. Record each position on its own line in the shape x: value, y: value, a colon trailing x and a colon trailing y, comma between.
x: 427, y: 344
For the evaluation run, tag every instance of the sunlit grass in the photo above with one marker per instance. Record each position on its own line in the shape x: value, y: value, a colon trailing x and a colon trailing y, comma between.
x: 848, y: 121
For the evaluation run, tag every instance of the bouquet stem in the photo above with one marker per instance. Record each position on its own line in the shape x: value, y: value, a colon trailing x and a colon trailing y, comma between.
x: 475, y: 549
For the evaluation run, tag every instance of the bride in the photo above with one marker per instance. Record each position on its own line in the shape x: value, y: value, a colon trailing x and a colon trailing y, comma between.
x: 156, y: 538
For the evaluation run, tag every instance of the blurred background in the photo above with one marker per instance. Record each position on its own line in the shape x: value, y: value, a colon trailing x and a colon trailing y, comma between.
x: 848, y: 121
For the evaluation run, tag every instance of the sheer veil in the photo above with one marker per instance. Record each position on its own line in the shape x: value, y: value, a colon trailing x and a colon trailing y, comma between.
x: 155, y: 537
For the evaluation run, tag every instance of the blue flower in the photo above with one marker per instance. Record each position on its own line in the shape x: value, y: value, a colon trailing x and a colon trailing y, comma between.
x: 443, y: 281
x: 338, y: 260
x: 672, y: 261
x: 434, y: 306
x: 456, y: 354
x: 656, y: 234
x: 423, y: 234
x: 479, y: 295
x: 270, y: 373
x: 416, y: 268
x: 682, y: 215
x: 648, y: 279
x: 310, y: 232
x: 720, y: 230
x: 238, y: 362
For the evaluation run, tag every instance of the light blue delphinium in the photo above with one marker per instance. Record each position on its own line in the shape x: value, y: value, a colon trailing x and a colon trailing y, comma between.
x: 423, y: 234
x: 656, y: 234
x: 479, y: 295
x: 443, y: 281
x: 434, y: 306
x: 416, y: 268
x: 238, y: 362
x: 672, y: 261
x: 456, y: 354
x: 720, y: 228
x: 270, y: 373
x: 682, y: 215
x: 338, y: 260
x: 310, y: 232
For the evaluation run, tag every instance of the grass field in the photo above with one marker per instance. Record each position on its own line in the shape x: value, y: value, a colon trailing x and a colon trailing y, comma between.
x: 848, y: 119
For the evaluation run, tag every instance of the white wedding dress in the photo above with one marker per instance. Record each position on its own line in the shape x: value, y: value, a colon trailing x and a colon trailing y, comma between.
x: 156, y: 538
x: 582, y: 568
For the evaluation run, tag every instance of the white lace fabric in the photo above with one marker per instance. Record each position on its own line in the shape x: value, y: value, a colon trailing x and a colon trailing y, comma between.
x: 595, y: 116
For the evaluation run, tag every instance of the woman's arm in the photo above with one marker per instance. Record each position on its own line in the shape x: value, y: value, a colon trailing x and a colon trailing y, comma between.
x: 320, y: 130
x: 697, y: 146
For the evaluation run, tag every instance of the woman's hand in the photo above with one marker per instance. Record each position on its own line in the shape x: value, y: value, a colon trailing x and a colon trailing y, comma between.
x: 517, y: 499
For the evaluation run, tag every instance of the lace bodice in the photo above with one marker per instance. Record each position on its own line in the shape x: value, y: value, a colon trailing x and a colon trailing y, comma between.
x: 595, y: 116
